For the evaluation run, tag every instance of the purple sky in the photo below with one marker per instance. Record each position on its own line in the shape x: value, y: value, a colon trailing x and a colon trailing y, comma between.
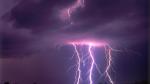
x: 33, y: 38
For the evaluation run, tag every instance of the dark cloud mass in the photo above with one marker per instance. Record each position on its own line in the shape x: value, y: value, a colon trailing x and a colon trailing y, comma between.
x: 33, y: 27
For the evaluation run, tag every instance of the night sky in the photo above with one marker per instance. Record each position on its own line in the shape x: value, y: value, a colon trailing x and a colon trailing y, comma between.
x: 34, y: 36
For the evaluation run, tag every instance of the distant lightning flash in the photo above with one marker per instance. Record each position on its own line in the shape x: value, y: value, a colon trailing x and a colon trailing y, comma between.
x: 72, y: 8
x: 108, y: 49
x: 66, y: 13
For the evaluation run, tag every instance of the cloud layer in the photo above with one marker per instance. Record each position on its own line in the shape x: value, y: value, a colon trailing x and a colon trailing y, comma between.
x: 31, y: 22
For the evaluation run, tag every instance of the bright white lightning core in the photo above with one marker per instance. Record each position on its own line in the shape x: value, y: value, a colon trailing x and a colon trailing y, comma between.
x: 93, y: 64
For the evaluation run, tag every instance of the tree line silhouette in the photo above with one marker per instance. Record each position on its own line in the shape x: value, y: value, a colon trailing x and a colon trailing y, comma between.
x: 15, y: 83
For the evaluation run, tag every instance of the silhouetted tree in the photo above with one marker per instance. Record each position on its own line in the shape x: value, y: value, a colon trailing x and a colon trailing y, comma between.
x: 6, y: 82
x: 142, y: 82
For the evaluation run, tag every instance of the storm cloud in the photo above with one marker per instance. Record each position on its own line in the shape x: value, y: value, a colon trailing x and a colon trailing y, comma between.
x: 33, y: 28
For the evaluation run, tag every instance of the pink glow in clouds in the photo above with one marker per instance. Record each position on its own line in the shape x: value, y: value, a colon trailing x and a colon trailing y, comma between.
x: 88, y: 43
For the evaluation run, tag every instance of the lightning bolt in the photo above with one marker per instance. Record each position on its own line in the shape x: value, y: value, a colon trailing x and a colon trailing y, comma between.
x: 79, y: 61
x: 93, y: 64
x: 108, y: 53
x: 66, y: 14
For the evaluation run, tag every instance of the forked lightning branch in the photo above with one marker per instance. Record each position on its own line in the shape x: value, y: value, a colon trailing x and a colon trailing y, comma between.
x: 93, y: 65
